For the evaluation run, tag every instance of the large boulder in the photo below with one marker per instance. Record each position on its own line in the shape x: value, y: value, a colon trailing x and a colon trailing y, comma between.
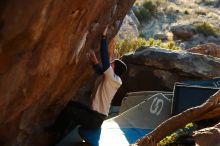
x: 183, y: 32
x: 43, y: 63
x: 153, y: 68
x: 208, y: 136
x: 199, y: 39
x: 211, y: 49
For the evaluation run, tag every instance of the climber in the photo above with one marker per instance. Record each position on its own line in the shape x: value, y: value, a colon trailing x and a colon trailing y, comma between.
x: 77, y: 113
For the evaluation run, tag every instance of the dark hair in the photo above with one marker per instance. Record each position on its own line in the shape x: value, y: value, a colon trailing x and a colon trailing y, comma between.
x: 120, y: 67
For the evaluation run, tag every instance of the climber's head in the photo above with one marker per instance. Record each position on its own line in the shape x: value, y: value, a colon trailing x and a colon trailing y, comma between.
x: 119, y: 67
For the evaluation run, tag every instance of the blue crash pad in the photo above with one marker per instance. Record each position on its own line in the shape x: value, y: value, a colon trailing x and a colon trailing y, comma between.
x: 187, y: 96
x: 130, y: 125
x: 113, y: 136
x: 215, y: 82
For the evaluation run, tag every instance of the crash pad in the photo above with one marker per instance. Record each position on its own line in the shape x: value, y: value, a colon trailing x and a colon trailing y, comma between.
x: 134, y: 98
x: 130, y: 125
x: 187, y: 96
x: 215, y: 82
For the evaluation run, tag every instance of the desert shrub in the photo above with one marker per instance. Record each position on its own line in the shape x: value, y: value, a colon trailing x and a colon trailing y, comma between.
x: 150, y: 6
x: 189, y: 128
x: 130, y: 45
x: 142, y: 14
x: 170, y: 45
x: 186, y: 12
x: 206, y: 29
x: 145, y: 11
x: 141, y: 34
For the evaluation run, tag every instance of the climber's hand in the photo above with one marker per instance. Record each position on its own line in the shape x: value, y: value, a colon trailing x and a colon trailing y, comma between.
x: 93, y: 57
x: 105, y: 31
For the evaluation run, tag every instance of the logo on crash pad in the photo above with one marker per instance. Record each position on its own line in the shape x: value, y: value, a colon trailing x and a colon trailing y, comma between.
x: 216, y: 84
x: 156, y: 106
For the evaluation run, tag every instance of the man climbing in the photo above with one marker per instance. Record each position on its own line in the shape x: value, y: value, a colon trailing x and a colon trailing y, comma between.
x: 76, y: 113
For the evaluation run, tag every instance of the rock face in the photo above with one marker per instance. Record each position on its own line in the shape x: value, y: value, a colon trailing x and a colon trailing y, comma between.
x: 43, y: 46
x: 208, y: 136
x: 129, y: 27
x: 152, y: 68
x: 183, y: 32
x: 211, y: 49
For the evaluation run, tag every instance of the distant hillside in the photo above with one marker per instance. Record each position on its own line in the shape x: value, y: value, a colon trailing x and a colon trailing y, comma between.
x: 159, y: 17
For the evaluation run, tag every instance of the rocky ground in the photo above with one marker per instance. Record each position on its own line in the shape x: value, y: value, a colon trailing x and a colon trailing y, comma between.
x: 178, y: 14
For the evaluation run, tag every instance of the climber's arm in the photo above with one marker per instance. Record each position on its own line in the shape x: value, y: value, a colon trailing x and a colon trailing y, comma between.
x: 104, y: 51
x: 104, y: 56
x: 96, y: 66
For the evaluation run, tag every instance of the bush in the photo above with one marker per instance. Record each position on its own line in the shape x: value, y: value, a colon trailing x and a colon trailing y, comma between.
x: 206, y: 29
x: 146, y: 10
x: 130, y: 45
x: 150, y: 6
x: 187, y: 130
x: 142, y: 14
x: 186, y: 12
x: 170, y: 45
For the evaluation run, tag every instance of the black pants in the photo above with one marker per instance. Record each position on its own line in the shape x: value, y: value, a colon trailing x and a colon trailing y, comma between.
x: 75, y: 114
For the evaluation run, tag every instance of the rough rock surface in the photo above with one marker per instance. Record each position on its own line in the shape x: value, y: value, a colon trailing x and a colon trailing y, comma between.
x: 152, y: 68
x: 183, y: 32
x: 182, y: 15
x: 43, y: 46
x: 129, y: 27
x: 208, y: 136
x: 207, y: 49
x: 161, y: 36
x: 199, y: 39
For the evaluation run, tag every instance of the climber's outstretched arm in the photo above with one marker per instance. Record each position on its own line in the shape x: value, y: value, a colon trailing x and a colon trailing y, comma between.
x: 100, y: 69
x: 104, y: 51
x: 96, y: 66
